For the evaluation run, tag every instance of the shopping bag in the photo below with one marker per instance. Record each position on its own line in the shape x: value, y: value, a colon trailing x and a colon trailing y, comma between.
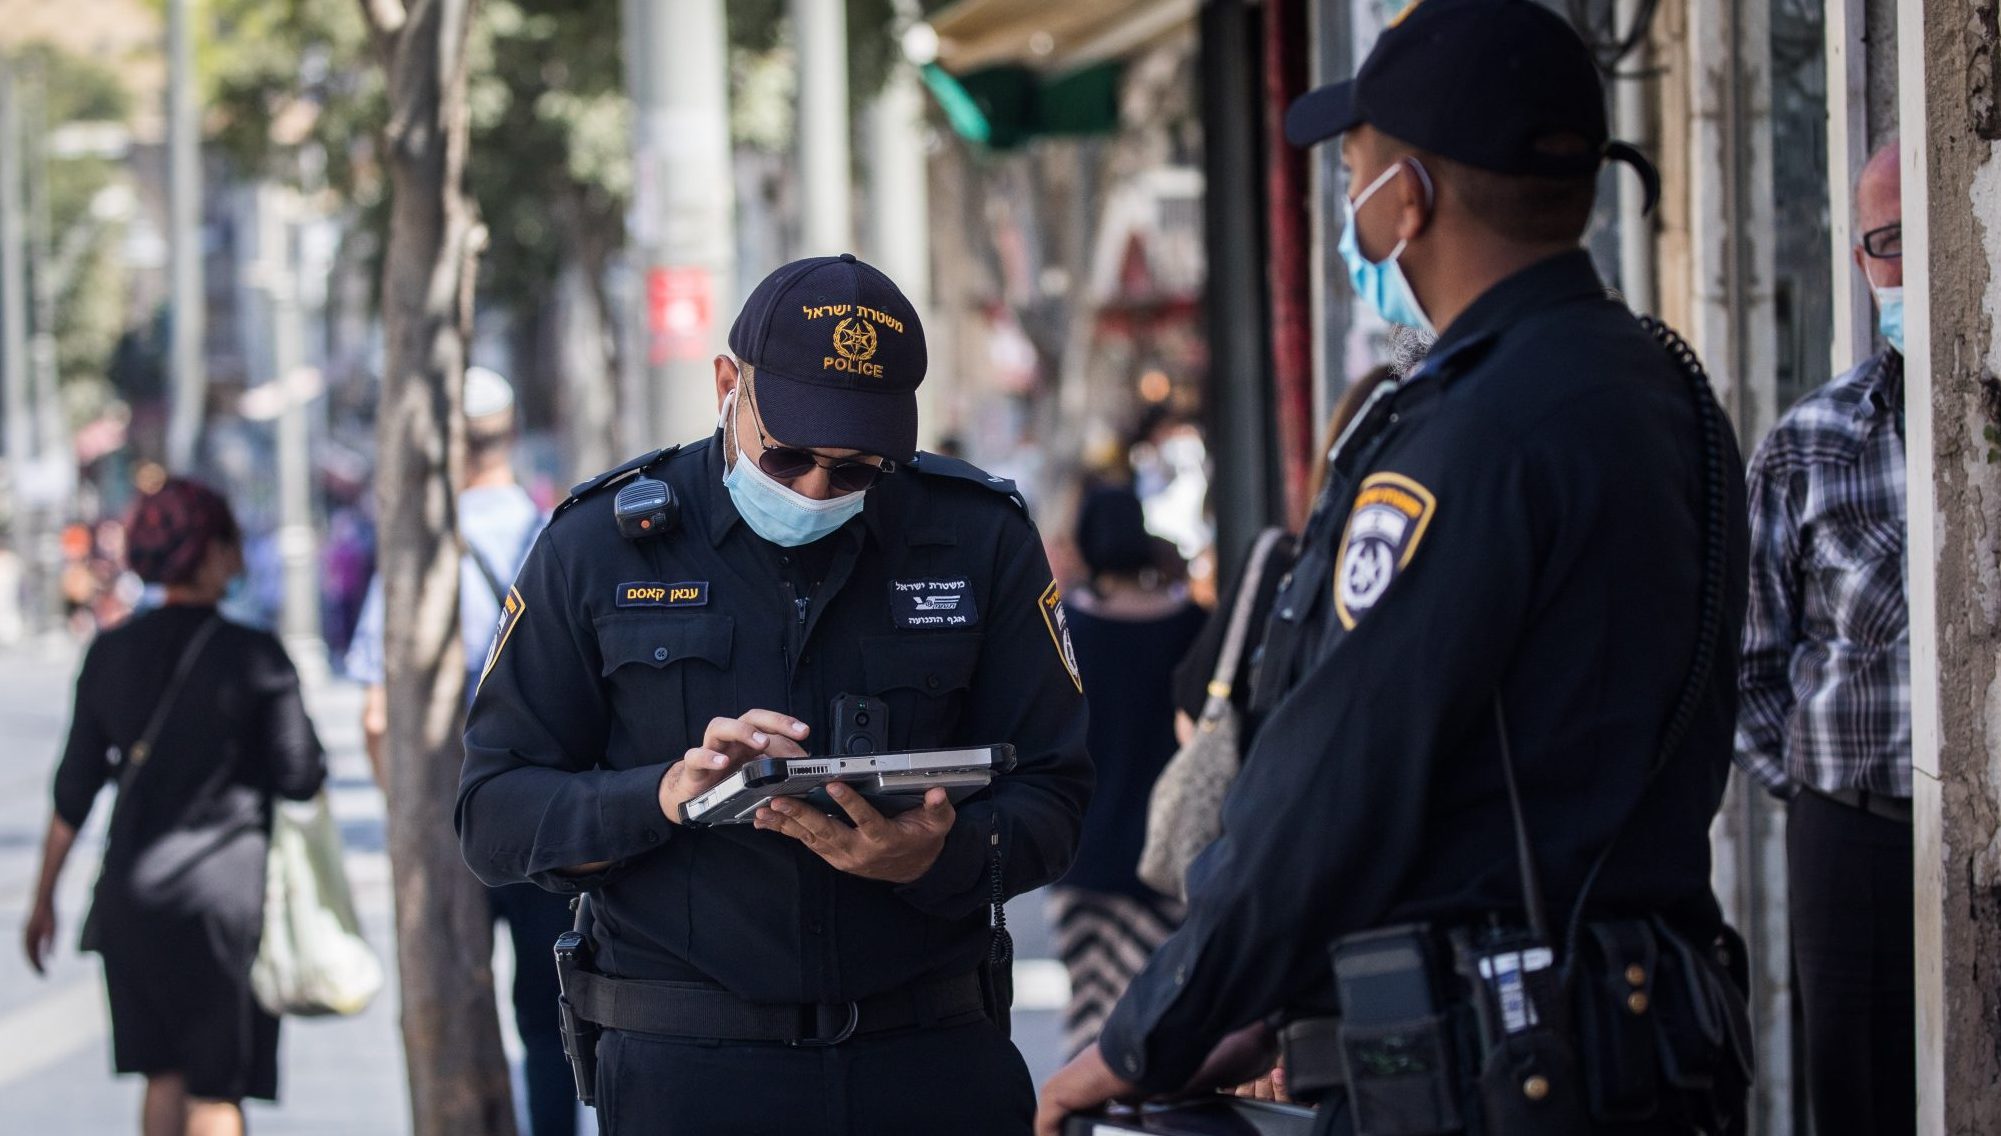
x: 313, y: 960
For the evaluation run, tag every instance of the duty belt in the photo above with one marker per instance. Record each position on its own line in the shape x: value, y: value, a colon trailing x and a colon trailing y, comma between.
x: 701, y: 1010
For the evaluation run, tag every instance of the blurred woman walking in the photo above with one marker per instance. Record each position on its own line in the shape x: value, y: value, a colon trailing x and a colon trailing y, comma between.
x: 200, y: 723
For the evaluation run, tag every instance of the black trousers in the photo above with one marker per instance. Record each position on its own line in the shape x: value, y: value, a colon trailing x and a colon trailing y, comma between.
x: 965, y: 1079
x: 1850, y: 876
x: 534, y: 918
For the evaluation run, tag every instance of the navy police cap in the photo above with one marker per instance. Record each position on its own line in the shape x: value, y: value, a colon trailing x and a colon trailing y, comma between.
x: 1500, y: 85
x: 836, y: 353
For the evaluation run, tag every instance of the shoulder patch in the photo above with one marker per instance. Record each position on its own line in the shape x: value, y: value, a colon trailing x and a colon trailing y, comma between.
x: 511, y: 611
x: 938, y: 465
x: 1385, y: 526
x: 1051, y: 605
x: 585, y: 488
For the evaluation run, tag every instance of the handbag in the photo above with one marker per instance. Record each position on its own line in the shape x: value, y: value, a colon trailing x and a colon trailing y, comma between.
x: 312, y: 960
x: 1184, y: 814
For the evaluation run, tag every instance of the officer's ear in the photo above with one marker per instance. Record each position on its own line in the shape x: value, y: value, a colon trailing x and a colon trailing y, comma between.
x: 1417, y: 198
x: 726, y: 379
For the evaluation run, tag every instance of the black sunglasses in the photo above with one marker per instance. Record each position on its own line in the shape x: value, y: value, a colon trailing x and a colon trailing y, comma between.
x: 788, y: 463
x: 1885, y: 243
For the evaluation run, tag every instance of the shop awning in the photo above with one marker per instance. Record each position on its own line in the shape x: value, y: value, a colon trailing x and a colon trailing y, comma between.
x: 1052, y: 36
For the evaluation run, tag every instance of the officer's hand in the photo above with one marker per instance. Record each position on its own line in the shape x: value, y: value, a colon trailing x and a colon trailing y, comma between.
x: 1085, y: 1083
x: 897, y: 849
x: 727, y: 744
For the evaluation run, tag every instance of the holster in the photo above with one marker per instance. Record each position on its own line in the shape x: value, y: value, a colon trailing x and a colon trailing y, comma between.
x: 580, y: 1037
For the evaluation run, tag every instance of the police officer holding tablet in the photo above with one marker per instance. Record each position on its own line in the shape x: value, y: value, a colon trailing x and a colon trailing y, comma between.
x: 706, y: 605
x: 1467, y: 860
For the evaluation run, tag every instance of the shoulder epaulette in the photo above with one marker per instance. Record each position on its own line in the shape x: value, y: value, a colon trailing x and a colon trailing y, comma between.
x: 613, y: 476
x: 938, y: 465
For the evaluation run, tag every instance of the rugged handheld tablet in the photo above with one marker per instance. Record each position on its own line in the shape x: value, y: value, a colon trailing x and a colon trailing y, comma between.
x: 892, y: 782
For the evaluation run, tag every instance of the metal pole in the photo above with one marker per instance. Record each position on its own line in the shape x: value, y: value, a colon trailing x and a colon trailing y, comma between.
x: 189, y: 383
x: 900, y: 195
x: 298, y: 546
x: 820, y: 30
x: 54, y: 482
x: 684, y: 206
x: 14, y: 368
x: 1245, y: 492
x: 1636, y: 230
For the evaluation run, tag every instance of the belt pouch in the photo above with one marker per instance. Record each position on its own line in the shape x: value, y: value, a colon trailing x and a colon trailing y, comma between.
x: 1702, y: 1030
x: 1310, y: 1049
x: 1395, y: 1038
x: 1617, y: 1020
x: 1399, y: 1077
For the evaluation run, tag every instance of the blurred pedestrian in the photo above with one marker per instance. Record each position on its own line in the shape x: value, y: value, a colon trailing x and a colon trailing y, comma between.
x: 1129, y: 624
x: 1192, y: 676
x: 200, y: 723
x: 498, y: 522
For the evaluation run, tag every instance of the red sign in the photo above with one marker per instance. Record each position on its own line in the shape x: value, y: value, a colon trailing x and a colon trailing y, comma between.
x: 680, y: 309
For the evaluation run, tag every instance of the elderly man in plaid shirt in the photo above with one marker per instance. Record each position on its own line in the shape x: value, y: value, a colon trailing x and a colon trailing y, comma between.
x: 1825, y: 717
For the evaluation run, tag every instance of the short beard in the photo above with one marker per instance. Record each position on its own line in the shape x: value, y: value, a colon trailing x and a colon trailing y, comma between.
x: 1408, y: 348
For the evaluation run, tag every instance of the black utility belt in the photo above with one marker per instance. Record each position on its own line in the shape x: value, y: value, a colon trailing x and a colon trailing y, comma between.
x: 1641, y: 1024
x: 701, y: 1010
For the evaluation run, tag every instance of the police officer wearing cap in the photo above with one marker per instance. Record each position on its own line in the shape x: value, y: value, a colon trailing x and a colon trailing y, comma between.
x: 1525, y: 579
x: 807, y: 973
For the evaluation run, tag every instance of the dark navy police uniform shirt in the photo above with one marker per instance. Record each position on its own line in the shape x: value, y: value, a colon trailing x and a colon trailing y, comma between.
x: 1523, y: 516
x: 614, y: 656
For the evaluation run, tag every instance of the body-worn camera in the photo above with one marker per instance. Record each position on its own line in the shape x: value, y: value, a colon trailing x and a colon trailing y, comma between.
x: 861, y: 725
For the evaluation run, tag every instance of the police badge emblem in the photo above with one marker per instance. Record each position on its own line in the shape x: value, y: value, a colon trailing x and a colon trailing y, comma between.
x: 1388, y: 520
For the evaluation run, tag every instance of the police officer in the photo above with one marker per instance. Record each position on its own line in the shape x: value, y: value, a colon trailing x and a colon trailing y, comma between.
x: 808, y: 973
x: 1517, y: 546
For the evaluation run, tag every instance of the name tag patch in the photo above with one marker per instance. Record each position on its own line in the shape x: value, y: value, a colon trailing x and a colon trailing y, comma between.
x: 647, y: 593
x: 1384, y: 528
x: 933, y: 603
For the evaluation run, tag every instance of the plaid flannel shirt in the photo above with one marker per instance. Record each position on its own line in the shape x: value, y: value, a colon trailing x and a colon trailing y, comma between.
x: 1825, y: 682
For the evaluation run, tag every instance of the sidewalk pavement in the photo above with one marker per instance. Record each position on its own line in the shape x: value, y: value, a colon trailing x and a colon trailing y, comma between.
x: 337, y: 1076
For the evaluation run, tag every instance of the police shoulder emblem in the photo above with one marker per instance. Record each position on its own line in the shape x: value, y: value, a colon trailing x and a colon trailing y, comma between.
x: 511, y: 610
x: 1051, y: 604
x: 1385, y: 525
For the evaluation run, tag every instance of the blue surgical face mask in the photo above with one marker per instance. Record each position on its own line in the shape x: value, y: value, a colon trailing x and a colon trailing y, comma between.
x: 773, y: 510
x: 1382, y: 282
x: 1890, y: 315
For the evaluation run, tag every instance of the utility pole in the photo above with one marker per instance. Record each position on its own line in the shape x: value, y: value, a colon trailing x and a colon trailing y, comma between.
x: 295, y: 386
x: 900, y: 226
x: 41, y: 499
x: 820, y: 35
x: 189, y: 385
x: 14, y: 369
x: 683, y: 220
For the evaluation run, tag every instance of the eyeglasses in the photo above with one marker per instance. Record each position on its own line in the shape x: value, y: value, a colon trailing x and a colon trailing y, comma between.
x: 788, y: 463
x: 1886, y: 243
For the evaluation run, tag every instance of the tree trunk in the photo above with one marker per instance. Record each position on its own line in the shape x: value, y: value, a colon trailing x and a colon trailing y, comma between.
x: 451, y: 1035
